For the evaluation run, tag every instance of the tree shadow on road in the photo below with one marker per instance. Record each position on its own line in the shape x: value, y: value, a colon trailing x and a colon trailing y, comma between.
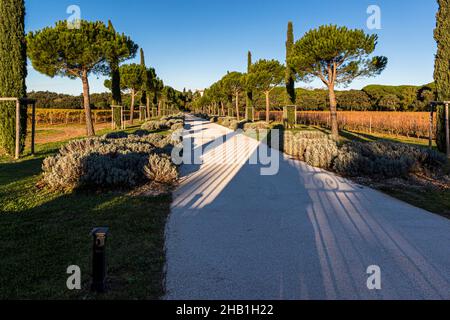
x: 303, y: 233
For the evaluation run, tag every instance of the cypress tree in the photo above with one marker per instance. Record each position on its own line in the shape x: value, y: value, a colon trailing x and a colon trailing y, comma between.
x: 13, y: 71
x: 249, y: 97
x: 145, y: 80
x: 290, y: 73
x: 442, y: 67
x: 115, y: 73
x: 249, y: 61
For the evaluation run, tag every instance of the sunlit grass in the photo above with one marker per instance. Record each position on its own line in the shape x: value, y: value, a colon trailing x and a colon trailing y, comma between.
x: 42, y: 233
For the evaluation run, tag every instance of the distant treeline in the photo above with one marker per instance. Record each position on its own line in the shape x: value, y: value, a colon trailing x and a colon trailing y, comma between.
x: 52, y: 100
x: 370, y: 98
x: 100, y: 101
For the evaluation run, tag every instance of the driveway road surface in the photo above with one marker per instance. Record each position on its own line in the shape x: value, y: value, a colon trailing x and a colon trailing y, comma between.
x: 301, y: 234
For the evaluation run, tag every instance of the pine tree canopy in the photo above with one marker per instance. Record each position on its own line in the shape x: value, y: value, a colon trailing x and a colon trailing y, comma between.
x: 266, y: 74
x: 131, y: 77
x: 233, y: 82
x: 60, y: 51
x: 337, y: 55
x: 217, y: 92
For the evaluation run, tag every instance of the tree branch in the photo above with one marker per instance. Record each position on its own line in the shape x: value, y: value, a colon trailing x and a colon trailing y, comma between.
x: 322, y: 77
x: 75, y: 72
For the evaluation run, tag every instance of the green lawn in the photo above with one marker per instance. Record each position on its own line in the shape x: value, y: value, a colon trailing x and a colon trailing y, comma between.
x: 360, y: 136
x: 43, y: 233
x: 431, y: 200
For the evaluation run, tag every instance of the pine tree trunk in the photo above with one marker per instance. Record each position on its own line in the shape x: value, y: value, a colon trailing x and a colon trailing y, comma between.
x: 267, y: 106
x: 133, y: 95
x: 148, y: 106
x: 87, y: 105
x: 333, y: 111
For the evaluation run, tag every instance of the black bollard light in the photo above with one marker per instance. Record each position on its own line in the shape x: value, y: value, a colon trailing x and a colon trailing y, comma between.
x: 99, y: 260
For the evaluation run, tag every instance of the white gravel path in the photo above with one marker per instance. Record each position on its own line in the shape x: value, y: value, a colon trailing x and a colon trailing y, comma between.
x: 301, y: 234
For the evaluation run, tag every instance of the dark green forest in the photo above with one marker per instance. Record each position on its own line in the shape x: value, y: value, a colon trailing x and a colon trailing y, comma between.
x: 372, y: 97
x: 99, y: 101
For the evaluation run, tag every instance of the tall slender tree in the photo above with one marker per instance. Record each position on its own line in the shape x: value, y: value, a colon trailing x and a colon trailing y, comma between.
x: 442, y: 67
x: 290, y: 73
x: 249, y: 98
x: 115, y: 73
x: 119, y: 49
x: 13, y: 71
x: 145, y: 80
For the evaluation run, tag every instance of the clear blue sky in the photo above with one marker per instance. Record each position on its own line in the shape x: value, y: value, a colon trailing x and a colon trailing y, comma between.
x: 192, y: 43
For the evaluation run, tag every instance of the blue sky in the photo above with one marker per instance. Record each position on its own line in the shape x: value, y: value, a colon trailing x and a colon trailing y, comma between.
x: 192, y: 43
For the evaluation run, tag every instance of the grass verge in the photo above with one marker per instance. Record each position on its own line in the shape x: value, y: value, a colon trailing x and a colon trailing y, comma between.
x: 437, y: 201
x: 43, y: 233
